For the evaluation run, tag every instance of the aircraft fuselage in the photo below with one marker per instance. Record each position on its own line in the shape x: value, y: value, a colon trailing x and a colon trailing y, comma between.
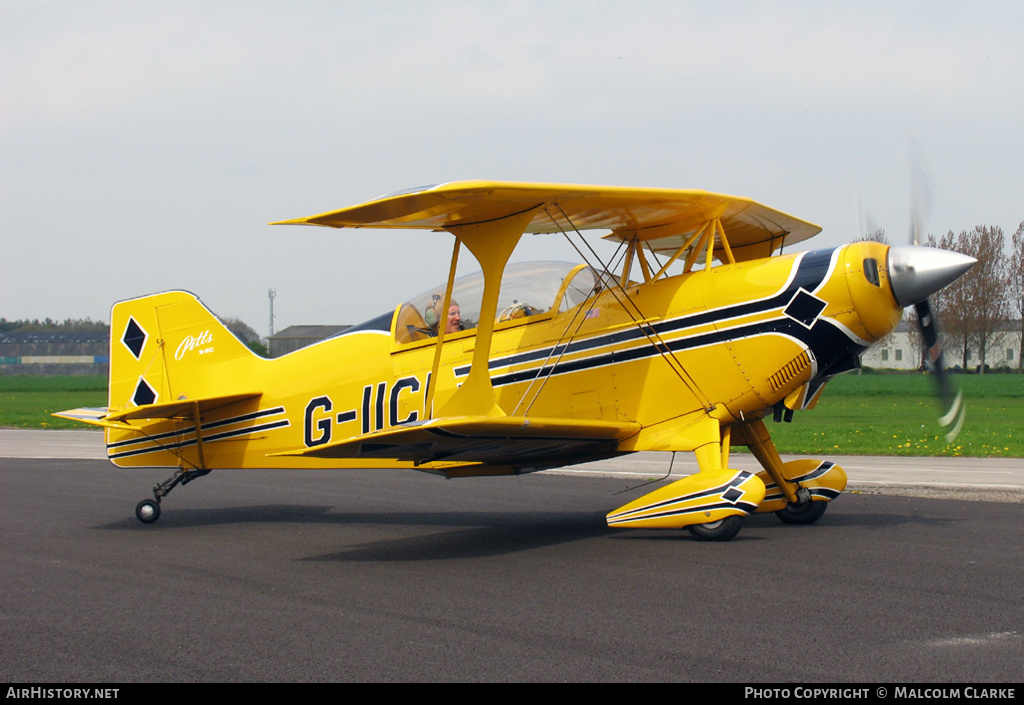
x: 731, y: 342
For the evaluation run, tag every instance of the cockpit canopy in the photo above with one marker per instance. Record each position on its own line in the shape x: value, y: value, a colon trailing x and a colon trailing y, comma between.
x: 527, y: 289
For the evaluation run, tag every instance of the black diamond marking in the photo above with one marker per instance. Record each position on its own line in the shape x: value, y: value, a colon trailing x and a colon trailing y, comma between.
x: 134, y: 338
x: 732, y: 495
x: 144, y: 394
x: 805, y: 308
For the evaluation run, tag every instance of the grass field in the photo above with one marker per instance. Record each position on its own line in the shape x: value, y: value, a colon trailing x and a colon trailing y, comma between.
x: 869, y: 414
x: 27, y: 402
x: 896, y: 414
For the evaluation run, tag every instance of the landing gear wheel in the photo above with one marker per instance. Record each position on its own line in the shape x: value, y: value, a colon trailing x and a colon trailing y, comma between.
x: 721, y: 530
x: 147, y: 511
x: 806, y: 513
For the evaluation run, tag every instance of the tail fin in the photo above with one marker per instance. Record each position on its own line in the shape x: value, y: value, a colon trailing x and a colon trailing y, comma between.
x: 172, y: 362
x: 169, y: 346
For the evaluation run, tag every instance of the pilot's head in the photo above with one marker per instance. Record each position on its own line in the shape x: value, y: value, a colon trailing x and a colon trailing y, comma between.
x: 433, y: 317
x: 454, y: 324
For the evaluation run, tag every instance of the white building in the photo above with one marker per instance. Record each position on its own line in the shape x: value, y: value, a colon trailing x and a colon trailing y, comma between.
x: 901, y: 350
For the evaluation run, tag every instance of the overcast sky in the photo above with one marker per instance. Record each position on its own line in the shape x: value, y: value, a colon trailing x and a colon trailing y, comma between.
x: 145, y: 145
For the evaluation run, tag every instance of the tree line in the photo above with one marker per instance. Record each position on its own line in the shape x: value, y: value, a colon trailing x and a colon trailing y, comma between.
x: 981, y: 305
x: 48, y: 324
x: 240, y: 328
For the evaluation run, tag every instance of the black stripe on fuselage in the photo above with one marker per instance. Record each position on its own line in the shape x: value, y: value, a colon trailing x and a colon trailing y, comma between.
x: 821, y: 338
x: 205, y: 427
x: 811, y: 270
x: 824, y: 339
x: 206, y: 439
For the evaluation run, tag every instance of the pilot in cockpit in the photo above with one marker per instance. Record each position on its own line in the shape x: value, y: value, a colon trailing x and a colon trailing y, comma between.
x: 453, y: 321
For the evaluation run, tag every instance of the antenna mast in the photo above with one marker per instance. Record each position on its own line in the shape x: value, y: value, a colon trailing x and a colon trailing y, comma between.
x: 271, y: 294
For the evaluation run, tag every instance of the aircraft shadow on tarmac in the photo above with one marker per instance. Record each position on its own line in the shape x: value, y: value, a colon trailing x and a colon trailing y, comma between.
x: 475, y: 542
x: 474, y: 534
x: 446, y: 535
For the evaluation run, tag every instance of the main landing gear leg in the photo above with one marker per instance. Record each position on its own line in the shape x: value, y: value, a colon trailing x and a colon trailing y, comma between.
x: 148, y: 510
x: 798, y: 491
x: 715, y: 456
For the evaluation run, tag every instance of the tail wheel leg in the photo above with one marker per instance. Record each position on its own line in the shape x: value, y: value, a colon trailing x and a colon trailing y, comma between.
x: 148, y: 510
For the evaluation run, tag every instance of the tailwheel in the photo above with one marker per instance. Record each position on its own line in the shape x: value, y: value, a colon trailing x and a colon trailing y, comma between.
x: 805, y: 513
x: 721, y: 530
x: 147, y: 511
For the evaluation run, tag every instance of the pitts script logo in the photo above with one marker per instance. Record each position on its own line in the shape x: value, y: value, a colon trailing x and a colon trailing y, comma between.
x: 201, y: 342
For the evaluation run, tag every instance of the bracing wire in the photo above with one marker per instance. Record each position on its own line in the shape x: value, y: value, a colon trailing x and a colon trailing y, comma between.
x: 646, y: 328
x: 667, y: 475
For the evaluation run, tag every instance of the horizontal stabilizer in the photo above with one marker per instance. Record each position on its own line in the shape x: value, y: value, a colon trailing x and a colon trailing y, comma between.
x: 506, y: 440
x: 181, y: 409
x: 96, y: 416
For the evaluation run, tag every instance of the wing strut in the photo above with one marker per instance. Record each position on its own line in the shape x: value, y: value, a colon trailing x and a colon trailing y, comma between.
x: 725, y: 241
x: 442, y: 328
x: 681, y: 251
x: 707, y: 238
x: 635, y: 248
x: 491, y: 242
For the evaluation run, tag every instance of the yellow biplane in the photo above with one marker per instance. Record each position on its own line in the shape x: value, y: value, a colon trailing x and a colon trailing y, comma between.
x: 706, y: 329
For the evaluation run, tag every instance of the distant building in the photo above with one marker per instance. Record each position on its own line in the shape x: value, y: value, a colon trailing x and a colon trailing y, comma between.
x: 293, y: 338
x: 901, y: 350
x: 54, y: 352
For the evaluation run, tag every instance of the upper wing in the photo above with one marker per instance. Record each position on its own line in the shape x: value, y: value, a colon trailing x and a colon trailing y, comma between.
x: 662, y: 218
